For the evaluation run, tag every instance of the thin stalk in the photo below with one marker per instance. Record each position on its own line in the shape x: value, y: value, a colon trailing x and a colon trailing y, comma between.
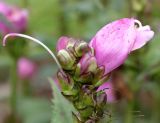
x: 129, y: 114
x: 13, y: 95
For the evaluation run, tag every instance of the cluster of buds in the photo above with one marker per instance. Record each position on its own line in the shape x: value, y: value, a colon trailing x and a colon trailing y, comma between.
x: 79, y: 83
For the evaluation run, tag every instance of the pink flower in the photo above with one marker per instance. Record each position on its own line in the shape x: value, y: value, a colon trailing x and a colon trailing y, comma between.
x: 13, y: 19
x: 114, y: 42
x: 108, y: 88
x: 26, y: 68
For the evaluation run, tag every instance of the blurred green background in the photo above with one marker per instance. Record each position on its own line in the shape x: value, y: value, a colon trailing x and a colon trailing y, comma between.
x: 138, y: 101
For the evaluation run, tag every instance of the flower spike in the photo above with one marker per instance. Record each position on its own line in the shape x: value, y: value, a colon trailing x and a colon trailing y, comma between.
x: 34, y: 40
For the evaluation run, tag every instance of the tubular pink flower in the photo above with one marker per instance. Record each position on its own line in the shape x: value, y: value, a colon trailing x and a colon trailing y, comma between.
x: 114, y: 42
x: 26, y: 68
x: 108, y: 88
x: 15, y: 19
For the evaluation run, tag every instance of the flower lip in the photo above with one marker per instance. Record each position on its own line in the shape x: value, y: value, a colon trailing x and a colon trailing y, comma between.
x: 143, y: 35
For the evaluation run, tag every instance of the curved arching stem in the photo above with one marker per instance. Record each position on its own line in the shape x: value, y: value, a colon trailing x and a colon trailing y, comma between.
x: 34, y: 40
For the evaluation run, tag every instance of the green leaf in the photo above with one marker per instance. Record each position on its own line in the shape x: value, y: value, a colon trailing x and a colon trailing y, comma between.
x: 62, y: 109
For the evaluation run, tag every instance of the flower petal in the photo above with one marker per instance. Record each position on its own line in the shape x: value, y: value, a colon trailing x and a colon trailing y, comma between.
x: 109, y: 91
x: 144, y: 34
x: 113, y: 43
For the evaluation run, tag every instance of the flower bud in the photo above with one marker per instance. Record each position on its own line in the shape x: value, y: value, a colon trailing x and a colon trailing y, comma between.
x: 92, y: 67
x: 71, y: 43
x: 66, y: 59
x: 67, y: 86
x: 81, y: 48
x: 64, y: 80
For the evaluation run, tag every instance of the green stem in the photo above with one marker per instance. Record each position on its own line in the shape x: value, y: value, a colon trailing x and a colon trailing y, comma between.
x: 129, y: 114
x: 13, y: 96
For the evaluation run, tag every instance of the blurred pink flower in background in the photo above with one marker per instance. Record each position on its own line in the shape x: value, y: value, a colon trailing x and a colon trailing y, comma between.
x: 108, y: 89
x: 26, y: 68
x: 12, y: 19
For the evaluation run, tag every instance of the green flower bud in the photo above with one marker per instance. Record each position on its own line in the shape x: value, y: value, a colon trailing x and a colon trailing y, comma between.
x: 92, y: 67
x: 98, y: 74
x: 65, y: 81
x: 67, y: 86
x: 81, y: 48
x: 66, y: 59
x: 71, y: 43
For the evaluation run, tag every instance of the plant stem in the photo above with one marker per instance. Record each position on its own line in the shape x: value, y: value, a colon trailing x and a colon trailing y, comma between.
x: 13, y: 95
x: 129, y: 114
